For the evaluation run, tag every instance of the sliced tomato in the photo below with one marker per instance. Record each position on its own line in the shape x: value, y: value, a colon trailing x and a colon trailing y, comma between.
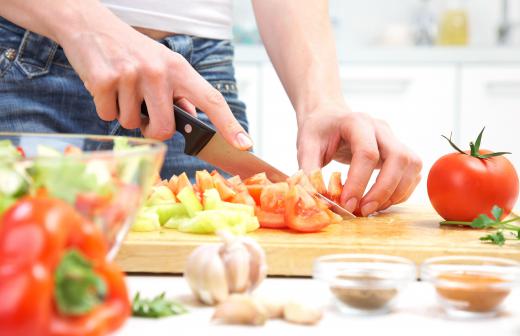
x: 72, y: 150
x: 302, y: 180
x: 334, y: 217
x: 235, y: 180
x: 335, y: 186
x: 91, y: 203
x: 255, y: 184
x: 303, y: 213
x: 317, y: 182
x: 172, y: 184
x: 243, y: 198
x: 21, y: 151
x: 182, y: 182
x: 270, y: 220
x: 260, y: 178
x: 224, y: 188
x: 255, y: 190
x: 204, y: 180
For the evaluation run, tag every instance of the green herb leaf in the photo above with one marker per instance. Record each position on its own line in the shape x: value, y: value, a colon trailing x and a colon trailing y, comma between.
x: 496, y: 238
x: 483, y: 222
x: 77, y: 288
x: 497, y: 212
x: 157, y: 307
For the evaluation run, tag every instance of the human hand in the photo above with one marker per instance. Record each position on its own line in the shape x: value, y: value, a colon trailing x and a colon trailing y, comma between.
x: 122, y: 67
x: 336, y: 133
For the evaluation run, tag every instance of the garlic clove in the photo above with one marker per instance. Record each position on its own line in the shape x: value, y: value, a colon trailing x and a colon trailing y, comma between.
x: 236, y: 259
x: 214, y: 285
x: 240, y: 309
x: 193, y: 270
x: 274, y: 307
x: 299, y: 313
x: 258, y: 263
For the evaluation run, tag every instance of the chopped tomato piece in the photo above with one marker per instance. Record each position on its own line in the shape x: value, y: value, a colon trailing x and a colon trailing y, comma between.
x: 71, y: 150
x: 301, y: 179
x: 255, y: 184
x: 204, y: 180
x: 235, y: 180
x: 224, y: 188
x: 260, y: 178
x: 317, y: 182
x: 183, y: 181
x: 91, y: 203
x: 255, y: 190
x: 243, y: 198
x: 334, y: 217
x: 21, y: 151
x: 172, y: 184
x: 335, y: 186
x: 270, y: 220
x: 303, y: 215
x: 272, y: 205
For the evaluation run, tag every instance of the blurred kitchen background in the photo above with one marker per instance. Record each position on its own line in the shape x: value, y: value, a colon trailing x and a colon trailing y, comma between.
x: 428, y: 67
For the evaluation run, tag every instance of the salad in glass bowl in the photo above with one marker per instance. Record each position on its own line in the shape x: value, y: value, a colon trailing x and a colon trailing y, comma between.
x: 105, y: 178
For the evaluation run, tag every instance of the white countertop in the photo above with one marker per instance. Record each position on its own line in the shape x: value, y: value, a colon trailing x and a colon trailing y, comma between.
x: 504, y: 55
x: 416, y: 313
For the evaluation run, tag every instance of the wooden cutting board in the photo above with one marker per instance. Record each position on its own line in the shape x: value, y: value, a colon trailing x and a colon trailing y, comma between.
x: 407, y: 231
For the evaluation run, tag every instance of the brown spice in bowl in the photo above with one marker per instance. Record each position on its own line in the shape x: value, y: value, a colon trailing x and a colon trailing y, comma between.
x: 472, y: 292
x: 366, y: 296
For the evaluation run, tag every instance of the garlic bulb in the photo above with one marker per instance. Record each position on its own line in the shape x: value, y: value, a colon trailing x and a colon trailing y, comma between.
x: 237, y: 265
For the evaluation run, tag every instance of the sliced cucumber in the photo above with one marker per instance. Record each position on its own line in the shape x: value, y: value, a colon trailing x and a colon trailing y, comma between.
x: 242, y: 208
x: 146, y: 220
x: 212, y: 199
x: 188, y: 198
x: 167, y: 211
x: 11, y: 182
x: 160, y: 194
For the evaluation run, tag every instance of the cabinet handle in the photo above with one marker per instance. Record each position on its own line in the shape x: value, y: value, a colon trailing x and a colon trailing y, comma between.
x: 503, y: 88
x: 376, y: 86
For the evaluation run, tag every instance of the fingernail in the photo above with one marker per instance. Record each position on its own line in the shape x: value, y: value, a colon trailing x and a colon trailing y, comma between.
x: 243, y: 140
x: 369, y: 208
x: 351, y: 204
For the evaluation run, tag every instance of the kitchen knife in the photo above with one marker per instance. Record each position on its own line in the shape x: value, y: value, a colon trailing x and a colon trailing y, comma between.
x: 202, y: 141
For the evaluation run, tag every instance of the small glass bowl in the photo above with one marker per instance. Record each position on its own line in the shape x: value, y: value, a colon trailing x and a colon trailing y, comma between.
x: 364, y: 284
x: 471, y: 286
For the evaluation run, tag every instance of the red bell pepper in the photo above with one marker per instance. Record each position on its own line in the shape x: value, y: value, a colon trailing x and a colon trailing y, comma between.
x: 54, y: 279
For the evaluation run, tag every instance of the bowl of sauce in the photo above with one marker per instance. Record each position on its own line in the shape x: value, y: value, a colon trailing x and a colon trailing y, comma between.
x: 471, y: 286
x: 364, y: 284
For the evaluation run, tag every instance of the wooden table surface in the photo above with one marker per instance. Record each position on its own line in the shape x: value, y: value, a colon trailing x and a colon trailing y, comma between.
x: 408, y: 231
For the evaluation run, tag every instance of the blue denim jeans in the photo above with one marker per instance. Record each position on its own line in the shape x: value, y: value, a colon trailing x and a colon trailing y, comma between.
x: 40, y: 92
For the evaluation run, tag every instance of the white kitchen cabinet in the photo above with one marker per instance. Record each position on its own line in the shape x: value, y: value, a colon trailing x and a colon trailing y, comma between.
x: 248, y: 78
x: 490, y: 97
x: 417, y: 101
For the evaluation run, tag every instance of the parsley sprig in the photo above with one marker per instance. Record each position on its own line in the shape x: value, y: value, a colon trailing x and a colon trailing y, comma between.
x: 503, y: 227
x: 157, y: 307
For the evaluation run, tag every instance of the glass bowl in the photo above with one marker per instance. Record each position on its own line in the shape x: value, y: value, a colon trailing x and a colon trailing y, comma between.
x: 105, y: 177
x: 471, y: 286
x: 364, y: 284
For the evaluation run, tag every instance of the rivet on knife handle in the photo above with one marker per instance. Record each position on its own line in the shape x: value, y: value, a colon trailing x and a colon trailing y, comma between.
x: 196, y: 133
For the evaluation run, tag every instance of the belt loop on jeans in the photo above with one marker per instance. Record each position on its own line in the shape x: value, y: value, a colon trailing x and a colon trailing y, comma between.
x: 35, y: 54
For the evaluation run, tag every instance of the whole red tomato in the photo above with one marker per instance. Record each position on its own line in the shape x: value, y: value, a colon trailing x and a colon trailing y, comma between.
x: 463, y: 185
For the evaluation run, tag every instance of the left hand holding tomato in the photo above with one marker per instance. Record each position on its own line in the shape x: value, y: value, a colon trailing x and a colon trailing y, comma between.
x: 336, y: 133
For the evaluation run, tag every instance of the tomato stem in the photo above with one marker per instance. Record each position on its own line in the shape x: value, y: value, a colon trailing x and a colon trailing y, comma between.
x: 474, y: 147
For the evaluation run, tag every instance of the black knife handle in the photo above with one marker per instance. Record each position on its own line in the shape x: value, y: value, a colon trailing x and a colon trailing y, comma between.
x: 196, y: 133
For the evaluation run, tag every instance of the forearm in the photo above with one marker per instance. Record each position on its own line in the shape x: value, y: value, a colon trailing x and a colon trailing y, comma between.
x: 299, y: 40
x: 59, y: 20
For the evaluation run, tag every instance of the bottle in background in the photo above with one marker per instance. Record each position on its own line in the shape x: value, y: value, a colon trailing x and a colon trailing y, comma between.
x: 454, y: 25
x: 425, y: 24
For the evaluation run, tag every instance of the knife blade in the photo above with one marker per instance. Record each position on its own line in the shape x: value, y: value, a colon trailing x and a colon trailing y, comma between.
x: 202, y: 141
